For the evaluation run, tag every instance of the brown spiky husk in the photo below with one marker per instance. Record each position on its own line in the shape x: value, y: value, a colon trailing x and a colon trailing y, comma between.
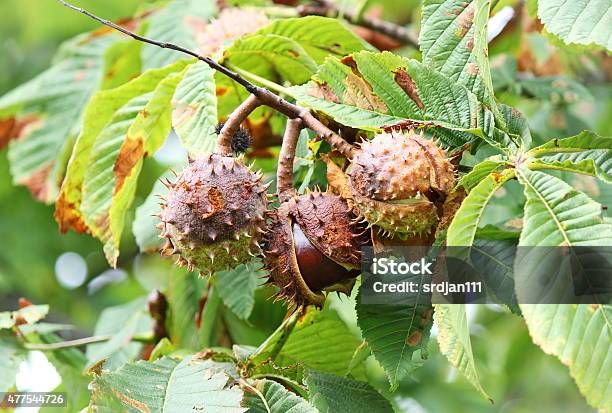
x: 323, y: 224
x: 326, y: 220
x: 213, y: 215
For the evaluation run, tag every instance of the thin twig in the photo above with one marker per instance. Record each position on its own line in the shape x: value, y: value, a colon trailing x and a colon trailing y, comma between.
x: 210, y: 62
x: 265, y: 96
x: 284, y: 172
x: 76, y: 343
x: 252, y: 77
x: 66, y: 344
x: 328, y: 9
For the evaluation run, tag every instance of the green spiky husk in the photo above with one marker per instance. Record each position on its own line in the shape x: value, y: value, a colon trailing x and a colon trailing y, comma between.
x: 416, y: 217
x: 213, y: 257
x: 399, y: 217
x: 400, y: 166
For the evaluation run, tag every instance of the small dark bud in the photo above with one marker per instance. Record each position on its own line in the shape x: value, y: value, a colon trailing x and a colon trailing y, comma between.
x: 241, y: 141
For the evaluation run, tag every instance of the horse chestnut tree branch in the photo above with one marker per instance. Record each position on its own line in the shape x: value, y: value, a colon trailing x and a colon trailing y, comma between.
x: 263, y: 96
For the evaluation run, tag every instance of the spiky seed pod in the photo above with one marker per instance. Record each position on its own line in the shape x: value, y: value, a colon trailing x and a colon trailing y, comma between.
x: 395, y: 181
x: 313, y: 246
x: 213, y: 215
x: 400, y: 166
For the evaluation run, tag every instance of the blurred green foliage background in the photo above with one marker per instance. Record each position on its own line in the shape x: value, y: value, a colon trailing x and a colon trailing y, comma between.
x: 30, y: 34
x: 515, y: 372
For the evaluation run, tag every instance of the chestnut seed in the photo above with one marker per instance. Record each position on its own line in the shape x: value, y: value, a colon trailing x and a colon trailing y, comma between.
x: 313, y: 246
x: 317, y: 270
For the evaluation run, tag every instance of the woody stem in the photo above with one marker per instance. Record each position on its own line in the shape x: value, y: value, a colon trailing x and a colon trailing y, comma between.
x: 239, y: 115
x: 284, y: 173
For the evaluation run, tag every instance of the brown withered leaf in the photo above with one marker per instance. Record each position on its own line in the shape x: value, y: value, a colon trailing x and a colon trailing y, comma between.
x: 414, y: 339
x: 37, y: 182
x: 403, y: 79
x: 359, y: 93
x: 408, y: 124
x: 449, y: 209
x: 466, y: 19
x: 261, y: 132
x: 350, y: 62
x: 473, y: 69
x: 323, y: 91
x: 131, y: 402
x: 14, y: 128
x: 527, y: 60
x: 67, y: 216
x: 24, y: 302
x: 220, y: 91
x: 337, y: 180
x: 130, y: 153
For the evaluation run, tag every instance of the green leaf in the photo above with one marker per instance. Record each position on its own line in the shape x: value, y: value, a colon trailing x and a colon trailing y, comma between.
x: 229, y: 95
x: 578, y: 22
x: 163, y: 348
x: 144, y: 137
x: 462, y: 229
x: 121, y: 126
x: 69, y: 363
x: 556, y: 89
x: 453, y: 41
x: 195, y: 109
x: 491, y: 232
x: 122, y: 323
x: 558, y: 215
x: 271, y: 56
x: 277, y: 399
x: 237, y: 287
x: 11, y: 357
x: 120, y: 64
x: 320, y: 37
x: 586, y: 153
x: 179, y: 22
x: 168, y: 385
x: 333, y: 394
x: 320, y: 340
x: 480, y: 172
x: 48, y: 110
x: 26, y: 315
x: 581, y: 337
x: 494, y: 259
x: 516, y: 124
x: 374, y: 90
x: 397, y: 334
x: 185, y: 290
x: 455, y: 343
x: 265, y: 317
